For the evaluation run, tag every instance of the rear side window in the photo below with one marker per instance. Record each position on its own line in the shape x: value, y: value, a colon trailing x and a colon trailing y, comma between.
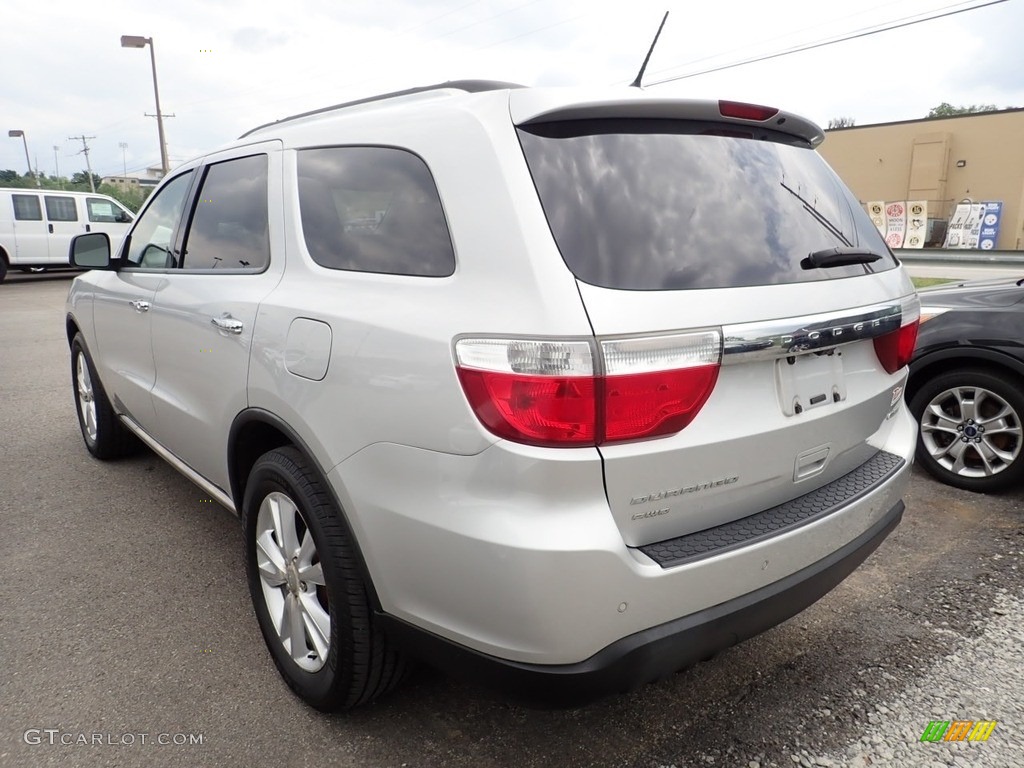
x: 27, y: 208
x: 229, y: 221
x: 660, y: 204
x: 373, y: 209
x: 61, y: 208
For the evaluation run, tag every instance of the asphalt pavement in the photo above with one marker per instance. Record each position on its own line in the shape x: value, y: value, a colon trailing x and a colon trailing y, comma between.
x: 127, y: 637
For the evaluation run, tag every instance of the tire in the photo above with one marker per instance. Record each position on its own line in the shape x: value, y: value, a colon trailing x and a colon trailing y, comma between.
x: 3, y: 267
x: 104, y: 434
x: 341, y: 659
x: 971, y: 429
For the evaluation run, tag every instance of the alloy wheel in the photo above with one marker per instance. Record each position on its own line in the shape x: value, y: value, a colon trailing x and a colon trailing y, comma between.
x: 971, y: 431
x: 292, y: 581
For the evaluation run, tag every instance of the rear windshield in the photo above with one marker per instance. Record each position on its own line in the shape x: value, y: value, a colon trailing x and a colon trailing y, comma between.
x: 664, y: 204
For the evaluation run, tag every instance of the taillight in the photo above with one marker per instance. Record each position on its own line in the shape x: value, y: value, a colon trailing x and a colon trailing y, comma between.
x: 746, y: 111
x: 895, y: 349
x: 549, y: 393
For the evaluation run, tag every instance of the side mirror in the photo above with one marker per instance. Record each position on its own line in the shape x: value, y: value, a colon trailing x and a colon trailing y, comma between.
x: 90, y: 251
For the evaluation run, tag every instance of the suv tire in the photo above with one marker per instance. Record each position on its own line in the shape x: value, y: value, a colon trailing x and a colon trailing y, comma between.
x: 974, y: 402
x: 104, y: 434
x: 305, y: 581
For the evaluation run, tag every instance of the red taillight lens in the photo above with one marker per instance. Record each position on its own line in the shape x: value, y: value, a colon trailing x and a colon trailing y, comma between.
x: 746, y: 111
x: 538, y: 410
x: 546, y: 392
x: 645, y: 405
x: 895, y: 349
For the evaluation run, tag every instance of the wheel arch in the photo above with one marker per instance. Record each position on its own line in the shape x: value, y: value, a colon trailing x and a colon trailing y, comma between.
x: 255, y: 431
x: 71, y: 328
x: 943, y: 361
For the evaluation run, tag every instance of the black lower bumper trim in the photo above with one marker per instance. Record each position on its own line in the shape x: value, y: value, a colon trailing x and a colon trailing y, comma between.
x: 652, y: 653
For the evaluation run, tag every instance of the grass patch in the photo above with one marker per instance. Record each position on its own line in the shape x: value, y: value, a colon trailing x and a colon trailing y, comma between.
x: 924, y: 282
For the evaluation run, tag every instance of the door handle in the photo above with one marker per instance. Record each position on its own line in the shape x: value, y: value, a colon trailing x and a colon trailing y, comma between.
x: 227, y: 323
x: 51, y: 228
x: 88, y: 228
x: 140, y: 306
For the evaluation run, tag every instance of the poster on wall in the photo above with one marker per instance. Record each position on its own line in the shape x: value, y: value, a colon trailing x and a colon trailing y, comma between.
x: 876, y: 210
x: 955, y: 232
x: 988, y: 234
x: 973, y: 226
x: 917, y: 224
x: 895, y: 224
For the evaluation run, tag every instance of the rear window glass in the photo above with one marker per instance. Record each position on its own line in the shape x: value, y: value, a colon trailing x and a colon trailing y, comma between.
x: 373, y: 209
x: 27, y: 208
x: 61, y: 208
x: 659, y: 204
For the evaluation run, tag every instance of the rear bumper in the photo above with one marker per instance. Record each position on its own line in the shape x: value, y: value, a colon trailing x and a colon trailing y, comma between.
x: 652, y: 653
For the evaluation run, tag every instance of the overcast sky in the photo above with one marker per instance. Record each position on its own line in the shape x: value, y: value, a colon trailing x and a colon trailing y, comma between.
x: 225, y: 67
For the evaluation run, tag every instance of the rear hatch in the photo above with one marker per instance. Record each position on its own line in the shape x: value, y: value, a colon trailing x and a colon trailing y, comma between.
x: 705, y: 236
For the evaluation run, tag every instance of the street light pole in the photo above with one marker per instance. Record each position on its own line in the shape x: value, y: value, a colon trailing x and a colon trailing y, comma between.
x: 136, y: 41
x: 16, y: 134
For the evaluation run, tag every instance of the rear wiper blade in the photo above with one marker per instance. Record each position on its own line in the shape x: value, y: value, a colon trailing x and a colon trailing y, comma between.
x: 839, y: 257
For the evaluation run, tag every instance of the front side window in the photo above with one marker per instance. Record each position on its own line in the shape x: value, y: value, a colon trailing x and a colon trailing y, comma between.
x: 149, y: 245
x: 373, y: 209
x: 667, y: 204
x: 229, y: 220
x: 106, y: 211
x: 27, y: 208
x: 61, y: 208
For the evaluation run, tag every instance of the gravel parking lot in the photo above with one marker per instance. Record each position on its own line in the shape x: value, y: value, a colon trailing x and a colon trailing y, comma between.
x: 125, y: 623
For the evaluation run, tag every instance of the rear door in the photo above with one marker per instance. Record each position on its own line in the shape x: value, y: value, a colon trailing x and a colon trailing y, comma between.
x: 204, y: 313
x: 699, y: 233
x: 64, y: 220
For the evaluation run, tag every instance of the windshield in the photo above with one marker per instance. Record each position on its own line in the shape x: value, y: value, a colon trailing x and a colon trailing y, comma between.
x: 660, y: 204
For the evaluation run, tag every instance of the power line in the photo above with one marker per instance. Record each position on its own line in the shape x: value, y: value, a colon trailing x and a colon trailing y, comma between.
x: 822, y: 44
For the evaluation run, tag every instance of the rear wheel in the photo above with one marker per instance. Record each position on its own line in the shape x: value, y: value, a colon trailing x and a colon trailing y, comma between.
x: 971, y: 429
x: 104, y: 434
x: 310, y: 598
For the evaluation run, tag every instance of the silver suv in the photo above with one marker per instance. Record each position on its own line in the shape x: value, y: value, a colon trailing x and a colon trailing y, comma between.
x: 557, y: 390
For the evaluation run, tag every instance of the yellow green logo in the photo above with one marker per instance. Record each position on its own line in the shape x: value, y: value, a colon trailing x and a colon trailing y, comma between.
x: 958, y: 730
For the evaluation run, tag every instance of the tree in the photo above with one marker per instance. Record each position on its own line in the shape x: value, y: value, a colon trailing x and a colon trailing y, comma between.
x: 9, y: 177
x: 81, y: 179
x: 945, y: 109
x: 841, y: 122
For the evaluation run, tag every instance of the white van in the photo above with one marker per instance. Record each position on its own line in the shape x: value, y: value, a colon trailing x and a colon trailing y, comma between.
x: 36, y: 226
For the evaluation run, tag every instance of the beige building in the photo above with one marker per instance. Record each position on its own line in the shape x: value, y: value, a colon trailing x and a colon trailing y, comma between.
x: 942, y: 160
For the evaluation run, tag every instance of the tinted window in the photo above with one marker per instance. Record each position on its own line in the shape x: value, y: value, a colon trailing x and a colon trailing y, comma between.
x: 149, y: 244
x: 373, y: 209
x: 229, y: 221
x: 657, y: 204
x: 27, y: 208
x: 61, y: 208
x: 105, y: 211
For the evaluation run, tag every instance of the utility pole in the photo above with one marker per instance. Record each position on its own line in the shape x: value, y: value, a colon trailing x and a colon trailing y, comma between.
x: 56, y: 165
x: 124, y: 159
x: 85, y: 151
x: 165, y: 164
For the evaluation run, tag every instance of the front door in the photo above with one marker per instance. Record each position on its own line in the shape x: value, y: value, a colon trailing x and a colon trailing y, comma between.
x: 123, y: 303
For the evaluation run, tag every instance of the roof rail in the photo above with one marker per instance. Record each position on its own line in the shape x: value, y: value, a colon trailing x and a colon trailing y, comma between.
x: 469, y: 86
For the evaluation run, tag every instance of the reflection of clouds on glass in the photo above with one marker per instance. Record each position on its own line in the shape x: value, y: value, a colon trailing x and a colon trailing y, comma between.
x: 229, y: 230
x: 645, y: 210
x: 373, y: 209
